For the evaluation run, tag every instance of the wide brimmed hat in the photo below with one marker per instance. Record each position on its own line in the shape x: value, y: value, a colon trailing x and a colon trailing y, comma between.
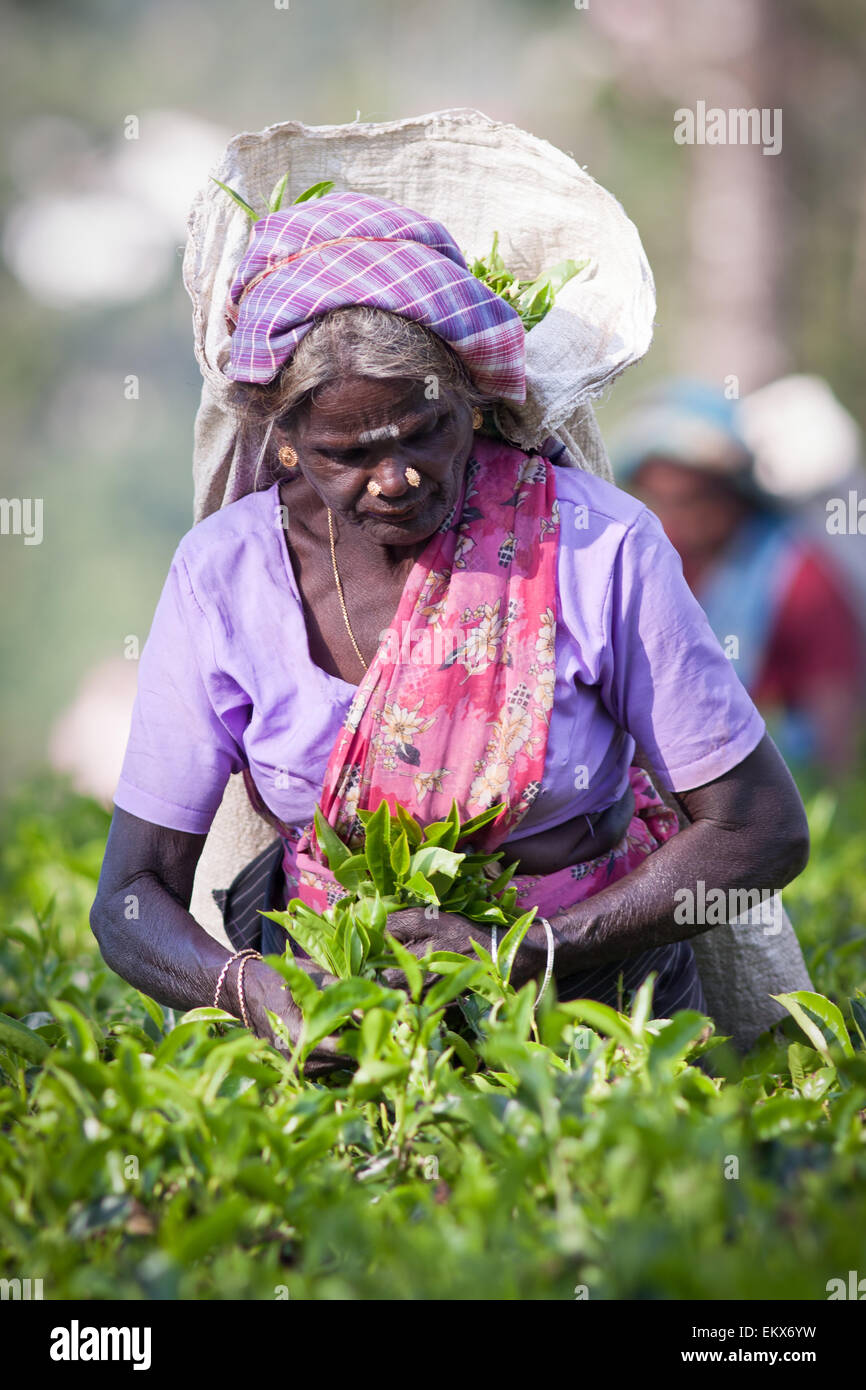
x: 477, y: 177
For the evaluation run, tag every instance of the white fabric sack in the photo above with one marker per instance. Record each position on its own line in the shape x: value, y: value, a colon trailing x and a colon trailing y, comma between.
x: 477, y: 176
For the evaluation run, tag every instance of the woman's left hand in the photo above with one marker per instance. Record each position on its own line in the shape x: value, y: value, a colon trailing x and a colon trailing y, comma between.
x: 445, y: 932
x: 448, y: 932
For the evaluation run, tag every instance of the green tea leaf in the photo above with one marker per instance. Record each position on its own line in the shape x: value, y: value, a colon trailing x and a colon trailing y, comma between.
x: 450, y: 986
x: 675, y: 1039
x: 376, y: 1026
x: 802, y: 999
x: 431, y: 859
x: 377, y: 849
x: 337, y: 1004
x: 478, y: 822
x: 153, y: 1010
x: 410, y: 826
x: 447, y: 962
x: 335, y: 851
x: 601, y: 1018
x: 241, y: 202
x: 641, y: 1005
x: 444, y: 832
x: 400, y: 856
x: 511, y: 943
x: 22, y: 1040
x: 341, y: 946
x: 311, y: 938
x: 316, y: 190
x: 463, y: 1050
x: 499, y: 884
x: 408, y: 963
x: 784, y: 1112
x: 858, y: 1012
x: 303, y: 989
x: 799, y: 1058
x: 275, y: 201
x: 480, y: 911
x: 207, y: 1014
x: 817, y: 1085
x: 352, y: 872
x: 484, y: 956
x: 421, y: 887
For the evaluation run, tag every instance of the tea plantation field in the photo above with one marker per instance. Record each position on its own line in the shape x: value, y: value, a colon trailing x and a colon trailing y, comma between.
x: 570, y: 1153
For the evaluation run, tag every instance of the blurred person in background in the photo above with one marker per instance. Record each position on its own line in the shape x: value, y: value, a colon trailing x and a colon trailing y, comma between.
x: 808, y: 452
x: 785, y: 614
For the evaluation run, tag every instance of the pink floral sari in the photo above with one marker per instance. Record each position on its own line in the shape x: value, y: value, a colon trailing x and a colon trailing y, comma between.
x: 456, y: 703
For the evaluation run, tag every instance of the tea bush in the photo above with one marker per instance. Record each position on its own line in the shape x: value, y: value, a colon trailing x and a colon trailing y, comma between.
x: 545, y: 1153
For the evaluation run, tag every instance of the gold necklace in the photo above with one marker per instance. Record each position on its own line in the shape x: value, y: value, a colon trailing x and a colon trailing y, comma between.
x: 340, y: 592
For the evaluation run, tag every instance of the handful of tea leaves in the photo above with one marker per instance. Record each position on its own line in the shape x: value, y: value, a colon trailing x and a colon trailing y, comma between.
x: 403, y: 865
x: 531, y: 298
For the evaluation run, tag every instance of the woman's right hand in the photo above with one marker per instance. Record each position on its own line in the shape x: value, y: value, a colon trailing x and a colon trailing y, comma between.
x: 265, y: 991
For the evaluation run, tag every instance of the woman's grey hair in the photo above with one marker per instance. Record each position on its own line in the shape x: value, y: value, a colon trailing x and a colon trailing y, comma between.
x: 355, y: 341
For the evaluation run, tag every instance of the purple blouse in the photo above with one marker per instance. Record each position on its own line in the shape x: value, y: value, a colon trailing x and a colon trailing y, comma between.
x: 226, y: 680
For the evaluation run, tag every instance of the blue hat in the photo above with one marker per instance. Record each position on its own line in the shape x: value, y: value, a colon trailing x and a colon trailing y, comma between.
x: 689, y: 422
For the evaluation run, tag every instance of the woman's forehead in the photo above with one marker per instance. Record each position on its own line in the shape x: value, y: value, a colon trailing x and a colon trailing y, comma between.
x: 365, y: 406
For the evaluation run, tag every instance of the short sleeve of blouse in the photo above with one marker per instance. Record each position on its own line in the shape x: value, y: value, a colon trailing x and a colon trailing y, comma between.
x: 181, y: 751
x: 665, y: 677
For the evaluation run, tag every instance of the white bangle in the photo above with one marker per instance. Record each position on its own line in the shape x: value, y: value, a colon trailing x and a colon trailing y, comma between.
x: 548, y: 969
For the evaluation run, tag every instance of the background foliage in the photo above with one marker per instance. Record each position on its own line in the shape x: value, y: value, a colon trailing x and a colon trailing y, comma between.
x: 602, y: 83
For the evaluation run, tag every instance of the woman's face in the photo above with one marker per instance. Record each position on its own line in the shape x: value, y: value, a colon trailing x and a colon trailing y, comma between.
x: 699, y: 511
x: 360, y: 430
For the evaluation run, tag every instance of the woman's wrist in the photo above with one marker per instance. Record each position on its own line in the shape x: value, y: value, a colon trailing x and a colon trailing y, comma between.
x: 564, y: 941
x: 260, y: 983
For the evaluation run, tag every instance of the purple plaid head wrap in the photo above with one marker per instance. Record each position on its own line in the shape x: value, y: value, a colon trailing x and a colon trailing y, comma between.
x: 347, y: 249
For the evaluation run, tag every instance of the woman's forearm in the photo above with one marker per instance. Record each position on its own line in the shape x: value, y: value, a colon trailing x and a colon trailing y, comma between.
x: 163, y: 951
x: 745, y: 831
x: 656, y: 904
x: 153, y: 942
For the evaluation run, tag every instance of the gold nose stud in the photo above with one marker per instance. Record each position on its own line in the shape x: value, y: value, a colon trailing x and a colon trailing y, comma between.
x: 413, y: 478
x: 374, y: 488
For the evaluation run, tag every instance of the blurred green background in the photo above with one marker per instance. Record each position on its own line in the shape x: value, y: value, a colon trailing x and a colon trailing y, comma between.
x: 760, y: 262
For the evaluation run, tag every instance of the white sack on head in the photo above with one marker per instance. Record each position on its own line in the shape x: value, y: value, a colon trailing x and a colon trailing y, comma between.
x: 478, y: 177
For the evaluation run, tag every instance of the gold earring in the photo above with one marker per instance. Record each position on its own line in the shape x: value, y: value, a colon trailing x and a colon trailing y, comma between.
x: 413, y: 478
x: 288, y: 456
x: 374, y: 488
x: 477, y: 419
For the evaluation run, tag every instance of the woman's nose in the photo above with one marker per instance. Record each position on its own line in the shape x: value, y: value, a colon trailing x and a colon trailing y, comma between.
x: 390, y: 474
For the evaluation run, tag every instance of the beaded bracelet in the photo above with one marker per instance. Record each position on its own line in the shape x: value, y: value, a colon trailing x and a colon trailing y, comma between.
x: 241, y: 998
x: 238, y: 955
